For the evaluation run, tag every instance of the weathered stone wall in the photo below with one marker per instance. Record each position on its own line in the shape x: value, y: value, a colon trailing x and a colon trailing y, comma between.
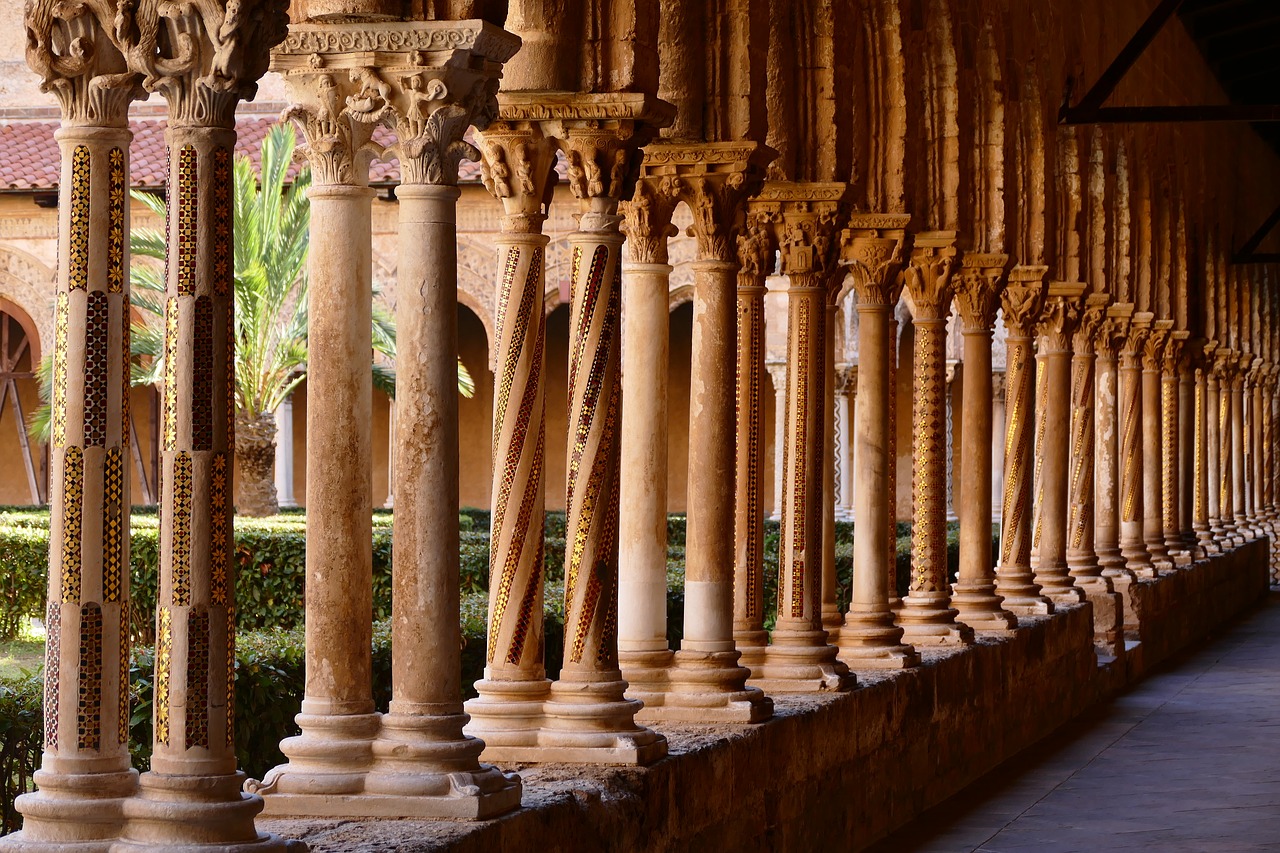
x: 840, y: 772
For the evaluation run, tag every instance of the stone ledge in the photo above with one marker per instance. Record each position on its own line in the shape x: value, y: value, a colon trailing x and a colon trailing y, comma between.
x: 854, y: 766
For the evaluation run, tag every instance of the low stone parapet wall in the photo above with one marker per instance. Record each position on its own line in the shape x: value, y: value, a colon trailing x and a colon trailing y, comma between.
x: 839, y: 772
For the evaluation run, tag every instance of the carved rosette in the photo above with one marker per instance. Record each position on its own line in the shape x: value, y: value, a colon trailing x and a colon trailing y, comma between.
x: 72, y: 47
x: 978, y: 286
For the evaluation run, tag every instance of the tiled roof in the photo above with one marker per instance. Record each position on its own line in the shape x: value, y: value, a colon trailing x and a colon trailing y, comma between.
x: 30, y: 161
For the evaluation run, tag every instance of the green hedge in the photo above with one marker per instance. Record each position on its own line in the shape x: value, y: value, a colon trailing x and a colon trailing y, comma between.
x: 21, y: 736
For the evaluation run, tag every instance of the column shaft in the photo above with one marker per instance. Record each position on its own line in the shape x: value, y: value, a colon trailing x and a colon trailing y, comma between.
x: 831, y: 617
x: 1153, y: 434
x: 1132, y: 545
x: 748, y: 527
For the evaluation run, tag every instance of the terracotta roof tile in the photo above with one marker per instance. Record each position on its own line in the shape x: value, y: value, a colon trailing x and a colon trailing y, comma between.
x: 30, y: 161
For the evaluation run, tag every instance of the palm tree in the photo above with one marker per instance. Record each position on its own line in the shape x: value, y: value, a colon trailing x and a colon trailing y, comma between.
x: 271, y: 221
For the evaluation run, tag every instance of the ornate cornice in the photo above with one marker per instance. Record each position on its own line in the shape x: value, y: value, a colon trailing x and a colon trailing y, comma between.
x: 1060, y: 314
x: 928, y: 274
x: 210, y: 56
x: 1093, y: 315
x: 1023, y: 299
x: 436, y: 40
x: 978, y: 286
x: 71, y: 47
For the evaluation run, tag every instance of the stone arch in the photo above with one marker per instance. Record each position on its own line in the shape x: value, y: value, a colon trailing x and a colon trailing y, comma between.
x: 678, y: 296
x: 24, y: 319
x: 29, y: 285
x: 477, y: 307
x: 882, y: 94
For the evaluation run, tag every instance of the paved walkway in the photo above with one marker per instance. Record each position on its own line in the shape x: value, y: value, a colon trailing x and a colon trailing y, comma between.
x: 1189, y: 760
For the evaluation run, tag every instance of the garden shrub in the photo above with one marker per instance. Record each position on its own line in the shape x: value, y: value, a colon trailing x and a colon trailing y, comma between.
x: 21, y: 738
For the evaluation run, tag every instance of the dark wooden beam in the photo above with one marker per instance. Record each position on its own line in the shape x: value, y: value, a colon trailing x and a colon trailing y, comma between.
x: 1149, y: 115
x: 1251, y: 245
x: 1263, y: 258
x: 1120, y: 66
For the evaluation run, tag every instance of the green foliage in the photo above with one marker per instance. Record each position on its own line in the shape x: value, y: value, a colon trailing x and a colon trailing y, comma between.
x: 24, y: 557
x: 21, y: 736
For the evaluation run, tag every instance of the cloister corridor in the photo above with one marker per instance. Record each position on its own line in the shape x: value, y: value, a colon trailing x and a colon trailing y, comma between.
x: 1190, y: 753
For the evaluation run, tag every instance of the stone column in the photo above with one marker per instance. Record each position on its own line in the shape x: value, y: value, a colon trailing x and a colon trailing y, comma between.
x: 953, y: 387
x: 800, y: 660
x: 998, y: 416
x: 1106, y: 475
x: 891, y: 567
x: 869, y: 639
x: 507, y: 712
x: 1153, y: 430
x: 1217, y: 407
x: 1243, y: 532
x: 1255, y: 442
x: 1186, y: 452
x: 1022, y: 302
x: 979, y: 285
x: 778, y: 376
x: 332, y: 755
x: 85, y: 771
x: 422, y: 755
x: 191, y: 795
x: 642, y: 518
x: 1082, y: 555
x: 284, y: 454
x: 926, y: 616
x: 830, y: 607
x: 706, y: 683
x: 1132, y: 546
x: 1171, y: 433
x: 846, y: 394
x: 755, y: 260
x: 390, y: 502
x: 1206, y: 422
x: 1057, y: 325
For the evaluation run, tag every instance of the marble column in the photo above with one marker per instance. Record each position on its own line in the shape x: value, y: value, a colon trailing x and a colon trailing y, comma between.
x: 1171, y: 435
x: 422, y: 755
x: 869, y: 639
x: 998, y: 416
x: 830, y: 606
x: 1022, y: 302
x: 390, y: 502
x: 755, y: 261
x: 778, y: 377
x: 800, y: 659
x: 1243, y: 532
x: 284, y: 454
x: 706, y: 682
x: 979, y: 285
x: 927, y: 616
x: 332, y: 755
x: 1082, y: 554
x: 191, y: 795
x: 1217, y: 408
x: 1153, y: 431
x: 85, y: 772
x: 846, y: 393
x: 1205, y: 442
x: 642, y: 517
x: 1057, y: 326
x: 1132, y: 544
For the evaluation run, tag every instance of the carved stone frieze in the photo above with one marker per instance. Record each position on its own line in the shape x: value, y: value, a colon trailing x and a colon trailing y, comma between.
x: 71, y: 47
x: 434, y: 41
x: 929, y: 272
x: 978, y: 285
x: 875, y: 248
x: 1023, y: 299
x: 209, y: 56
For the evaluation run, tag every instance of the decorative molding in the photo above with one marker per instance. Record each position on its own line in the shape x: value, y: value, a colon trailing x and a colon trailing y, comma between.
x: 433, y: 41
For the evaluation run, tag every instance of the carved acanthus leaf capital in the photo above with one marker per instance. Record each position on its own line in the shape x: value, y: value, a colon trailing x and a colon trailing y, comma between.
x: 1093, y: 314
x: 875, y: 248
x: 209, y: 57
x: 1023, y: 299
x: 647, y: 219
x: 1061, y: 313
x: 1135, y: 339
x: 928, y: 274
x: 338, y: 144
x: 72, y: 47
x: 978, y: 286
x: 1153, y: 347
x: 1175, y: 351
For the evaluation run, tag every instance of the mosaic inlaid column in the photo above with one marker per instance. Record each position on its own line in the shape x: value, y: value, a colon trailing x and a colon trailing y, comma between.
x: 1205, y: 439
x: 507, y: 711
x: 1057, y: 325
x: 1171, y: 433
x: 1130, y: 402
x: 1153, y: 431
x: 587, y: 709
x: 333, y: 753
x: 85, y: 767
x: 642, y: 518
x: 755, y: 260
x: 926, y: 616
x: 1239, y: 515
x: 191, y: 795
x: 869, y: 638
x: 800, y: 659
x: 1254, y: 390
x: 1082, y: 555
x: 979, y: 285
x: 1022, y: 302
x: 422, y: 757
x: 997, y: 443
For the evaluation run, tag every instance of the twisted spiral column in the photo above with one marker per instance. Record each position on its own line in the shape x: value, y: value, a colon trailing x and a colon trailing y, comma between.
x: 1132, y: 545
x: 1082, y: 554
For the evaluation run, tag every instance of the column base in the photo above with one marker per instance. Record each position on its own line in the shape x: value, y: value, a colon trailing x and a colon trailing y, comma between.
x: 801, y: 662
x: 1108, y: 619
x: 174, y: 813
x: 1138, y: 561
x: 832, y: 618
x: 72, y: 811
x: 978, y: 606
x: 703, y: 688
x: 332, y: 756
x: 870, y: 640
x: 1057, y: 585
x: 1021, y: 594
x: 927, y: 620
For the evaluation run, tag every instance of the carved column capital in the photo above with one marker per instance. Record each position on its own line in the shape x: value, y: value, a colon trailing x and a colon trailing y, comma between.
x: 998, y: 387
x: 1093, y: 314
x: 1154, y: 346
x: 647, y: 219
x: 1114, y: 330
x: 805, y: 219
x: 1060, y: 314
x: 338, y: 145
x: 1023, y: 299
x: 978, y: 286
x: 755, y: 248
x: 73, y: 49
x: 203, y: 57
x: 934, y: 257
x: 517, y: 165
x: 1134, y: 339
x: 875, y: 248
x: 1175, y: 351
